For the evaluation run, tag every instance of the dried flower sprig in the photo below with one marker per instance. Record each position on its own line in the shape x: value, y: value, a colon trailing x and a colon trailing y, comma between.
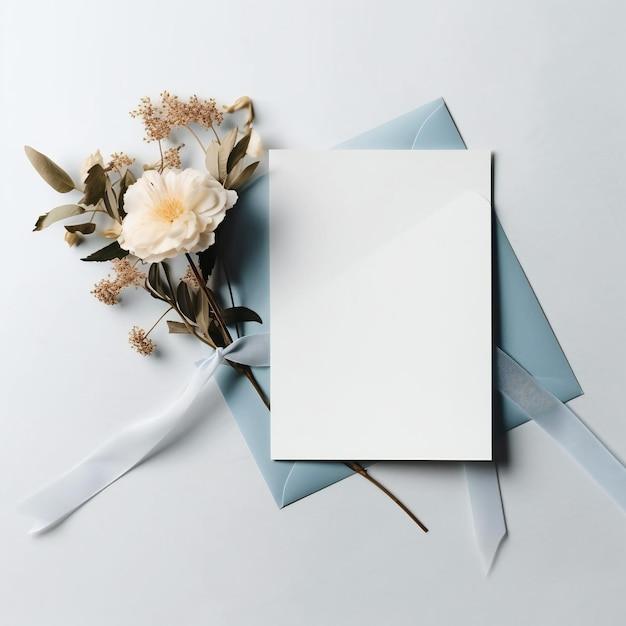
x: 160, y: 119
x: 139, y: 340
x: 107, y: 290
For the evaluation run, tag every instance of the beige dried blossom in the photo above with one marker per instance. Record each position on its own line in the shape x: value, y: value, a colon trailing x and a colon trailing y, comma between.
x: 107, y: 291
x: 139, y: 341
x: 126, y: 275
x: 160, y: 119
x: 190, y: 279
x: 154, y: 121
x: 171, y: 157
x: 119, y: 161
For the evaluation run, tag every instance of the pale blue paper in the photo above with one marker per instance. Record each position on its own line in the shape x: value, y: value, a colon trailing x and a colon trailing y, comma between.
x: 522, y: 329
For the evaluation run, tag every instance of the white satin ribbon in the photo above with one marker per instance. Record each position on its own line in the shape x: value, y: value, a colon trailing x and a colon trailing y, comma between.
x: 556, y: 419
x: 117, y: 456
x: 486, y: 501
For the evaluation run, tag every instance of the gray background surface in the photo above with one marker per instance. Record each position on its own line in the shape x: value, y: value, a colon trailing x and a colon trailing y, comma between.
x: 193, y: 537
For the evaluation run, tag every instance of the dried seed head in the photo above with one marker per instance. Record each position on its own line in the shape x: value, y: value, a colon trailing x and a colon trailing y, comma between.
x: 190, y: 279
x: 126, y: 275
x: 171, y: 157
x: 119, y: 161
x: 139, y: 341
x: 159, y: 120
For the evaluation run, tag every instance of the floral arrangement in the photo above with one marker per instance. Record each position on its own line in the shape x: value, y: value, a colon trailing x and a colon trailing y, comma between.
x: 163, y: 213
x: 154, y: 217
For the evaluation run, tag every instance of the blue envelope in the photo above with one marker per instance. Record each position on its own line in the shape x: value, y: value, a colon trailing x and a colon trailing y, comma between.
x: 521, y: 328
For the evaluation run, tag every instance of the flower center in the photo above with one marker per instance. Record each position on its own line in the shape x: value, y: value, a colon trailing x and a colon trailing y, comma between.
x: 169, y: 209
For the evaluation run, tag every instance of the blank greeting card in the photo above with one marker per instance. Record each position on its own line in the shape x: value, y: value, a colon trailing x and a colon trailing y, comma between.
x: 381, y: 305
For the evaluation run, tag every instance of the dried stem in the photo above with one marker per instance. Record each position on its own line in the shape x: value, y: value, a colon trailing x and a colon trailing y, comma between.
x: 243, y: 369
x: 160, y: 318
x: 356, y: 467
x: 196, y: 137
x: 211, y: 298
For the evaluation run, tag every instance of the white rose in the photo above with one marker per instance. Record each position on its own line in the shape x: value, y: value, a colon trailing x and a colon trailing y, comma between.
x: 95, y: 158
x: 172, y: 213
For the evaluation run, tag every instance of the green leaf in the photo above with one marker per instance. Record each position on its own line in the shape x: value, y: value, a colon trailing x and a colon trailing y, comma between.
x: 56, y: 177
x: 155, y: 284
x: 95, y: 186
x: 178, y: 328
x: 244, y: 177
x: 59, y: 213
x: 234, y: 174
x: 112, y: 251
x: 224, y: 152
x: 207, y: 258
x: 216, y: 335
x: 202, y: 312
x: 168, y: 277
x: 185, y: 301
x: 238, y: 152
x: 110, y: 200
x: 128, y: 180
x: 85, y: 229
x: 237, y: 314
x: 211, y: 159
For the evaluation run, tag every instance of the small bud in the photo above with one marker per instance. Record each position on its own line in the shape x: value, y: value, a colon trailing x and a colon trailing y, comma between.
x: 255, y: 147
x: 73, y: 238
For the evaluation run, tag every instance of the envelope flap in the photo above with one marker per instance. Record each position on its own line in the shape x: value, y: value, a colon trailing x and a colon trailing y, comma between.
x: 428, y: 128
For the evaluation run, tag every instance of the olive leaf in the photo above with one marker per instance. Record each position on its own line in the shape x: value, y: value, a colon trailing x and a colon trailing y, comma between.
x: 238, y: 152
x: 224, y: 152
x: 237, y: 314
x: 108, y: 253
x: 168, y: 277
x: 215, y: 334
x: 202, y: 312
x: 110, y: 200
x: 186, y: 302
x: 244, y: 177
x: 155, y: 285
x: 127, y: 180
x: 56, y: 177
x: 207, y: 258
x: 234, y: 174
x: 85, y: 229
x: 178, y: 328
x: 95, y: 185
x: 211, y: 160
x: 58, y: 213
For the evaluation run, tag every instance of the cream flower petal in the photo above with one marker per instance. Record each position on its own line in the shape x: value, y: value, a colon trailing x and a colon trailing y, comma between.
x: 172, y: 213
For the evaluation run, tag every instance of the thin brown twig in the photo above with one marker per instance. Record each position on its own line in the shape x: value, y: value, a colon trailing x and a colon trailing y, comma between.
x: 356, y: 467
